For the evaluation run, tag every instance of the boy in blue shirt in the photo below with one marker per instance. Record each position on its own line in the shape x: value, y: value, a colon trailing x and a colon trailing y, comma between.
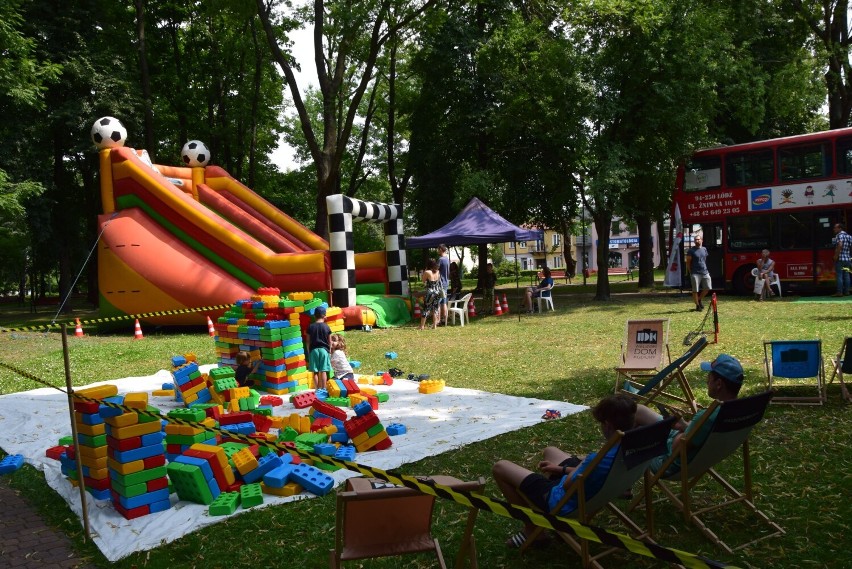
x: 319, y: 361
x: 547, y: 487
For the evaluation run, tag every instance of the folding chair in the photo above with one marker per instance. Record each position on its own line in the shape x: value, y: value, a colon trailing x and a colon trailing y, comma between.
x: 645, y: 347
x: 731, y: 424
x: 795, y: 359
x: 636, y: 449
x: 843, y: 364
x: 651, y: 389
x: 377, y: 519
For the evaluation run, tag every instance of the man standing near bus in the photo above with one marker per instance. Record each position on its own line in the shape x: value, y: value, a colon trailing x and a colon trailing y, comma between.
x: 842, y: 259
x: 696, y: 266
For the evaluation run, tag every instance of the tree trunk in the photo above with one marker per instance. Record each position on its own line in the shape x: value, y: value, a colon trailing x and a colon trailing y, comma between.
x: 603, y: 223
x: 646, y: 251
x: 145, y: 79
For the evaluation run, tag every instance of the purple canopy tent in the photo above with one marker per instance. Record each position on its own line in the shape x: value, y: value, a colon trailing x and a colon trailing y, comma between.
x: 477, y: 224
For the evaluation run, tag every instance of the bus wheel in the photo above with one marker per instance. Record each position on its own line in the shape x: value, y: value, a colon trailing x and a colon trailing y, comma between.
x: 743, y: 280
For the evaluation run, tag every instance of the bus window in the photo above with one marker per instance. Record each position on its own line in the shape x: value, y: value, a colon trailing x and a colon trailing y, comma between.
x: 803, y: 162
x: 702, y: 173
x: 844, y: 155
x: 749, y: 233
x: 749, y: 168
x: 825, y: 228
x: 794, y: 231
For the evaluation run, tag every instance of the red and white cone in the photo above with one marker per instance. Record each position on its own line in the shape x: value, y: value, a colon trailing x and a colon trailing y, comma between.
x: 497, y: 310
x: 417, y: 313
x: 471, y: 310
x: 137, y: 332
x: 505, y: 304
x: 210, y: 329
x: 78, y: 328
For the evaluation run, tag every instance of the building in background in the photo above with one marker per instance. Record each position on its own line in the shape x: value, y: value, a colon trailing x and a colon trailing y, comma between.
x: 550, y: 252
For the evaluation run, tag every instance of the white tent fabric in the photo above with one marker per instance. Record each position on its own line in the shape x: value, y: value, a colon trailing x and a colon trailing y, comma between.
x: 33, y: 421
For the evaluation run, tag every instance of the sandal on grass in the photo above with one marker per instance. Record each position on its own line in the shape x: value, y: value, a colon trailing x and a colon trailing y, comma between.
x: 517, y: 540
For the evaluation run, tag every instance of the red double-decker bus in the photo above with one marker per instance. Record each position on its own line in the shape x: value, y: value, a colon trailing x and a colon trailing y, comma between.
x: 783, y: 195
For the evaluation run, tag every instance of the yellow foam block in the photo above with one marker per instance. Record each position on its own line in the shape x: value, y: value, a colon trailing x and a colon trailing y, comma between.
x: 137, y: 400
x: 93, y: 463
x: 136, y: 430
x: 367, y: 390
x: 163, y: 393
x: 99, y: 392
x: 123, y: 420
x: 244, y: 461
x: 91, y: 452
x: 91, y: 430
x: 126, y: 467
x: 289, y: 489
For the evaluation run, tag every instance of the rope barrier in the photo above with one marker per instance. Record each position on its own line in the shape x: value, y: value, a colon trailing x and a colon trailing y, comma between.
x: 55, y: 325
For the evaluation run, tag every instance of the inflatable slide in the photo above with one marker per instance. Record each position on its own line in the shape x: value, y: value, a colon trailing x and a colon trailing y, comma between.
x: 175, y: 238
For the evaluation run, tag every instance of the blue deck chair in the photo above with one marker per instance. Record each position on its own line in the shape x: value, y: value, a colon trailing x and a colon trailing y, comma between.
x: 795, y: 359
x: 732, y: 423
x: 637, y: 448
x: 656, y: 389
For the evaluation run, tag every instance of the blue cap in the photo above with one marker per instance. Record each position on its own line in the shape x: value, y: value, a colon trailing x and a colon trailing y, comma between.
x: 319, y: 312
x: 725, y: 366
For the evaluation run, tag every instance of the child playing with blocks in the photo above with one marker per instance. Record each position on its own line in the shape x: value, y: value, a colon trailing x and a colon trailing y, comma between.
x: 318, y: 348
x: 339, y: 360
x: 244, y: 369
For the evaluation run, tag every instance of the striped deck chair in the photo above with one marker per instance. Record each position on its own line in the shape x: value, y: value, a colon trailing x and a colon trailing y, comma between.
x: 636, y: 449
x: 657, y: 389
x: 677, y: 477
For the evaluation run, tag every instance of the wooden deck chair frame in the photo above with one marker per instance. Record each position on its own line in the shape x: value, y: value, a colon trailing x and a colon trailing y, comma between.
x: 730, y: 431
x: 842, y: 364
x: 645, y: 348
x: 637, y: 448
x: 774, y: 354
x: 651, y: 390
x: 376, y: 519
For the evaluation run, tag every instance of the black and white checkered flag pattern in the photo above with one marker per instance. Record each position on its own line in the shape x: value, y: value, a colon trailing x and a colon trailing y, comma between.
x: 341, y: 211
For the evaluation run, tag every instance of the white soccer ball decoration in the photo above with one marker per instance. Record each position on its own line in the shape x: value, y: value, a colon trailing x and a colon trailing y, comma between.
x: 108, y: 132
x: 195, y: 153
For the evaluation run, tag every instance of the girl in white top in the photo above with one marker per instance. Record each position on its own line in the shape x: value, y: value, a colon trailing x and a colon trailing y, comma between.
x: 766, y: 268
x: 339, y: 360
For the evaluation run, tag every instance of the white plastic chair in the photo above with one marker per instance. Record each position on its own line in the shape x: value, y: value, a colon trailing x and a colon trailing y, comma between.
x: 459, y: 307
x: 774, y: 281
x: 548, y: 300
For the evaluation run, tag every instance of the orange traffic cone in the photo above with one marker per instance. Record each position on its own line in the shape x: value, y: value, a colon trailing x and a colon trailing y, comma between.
x: 497, y: 310
x: 471, y: 310
x: 417, y: 313
x: 137, y: 332
x: 505, y: 304
x: 210, y: 329
x: 78, y: 328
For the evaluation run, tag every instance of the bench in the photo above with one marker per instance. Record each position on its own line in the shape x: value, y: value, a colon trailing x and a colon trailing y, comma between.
x: 554, y: 274
x: 621, y: 271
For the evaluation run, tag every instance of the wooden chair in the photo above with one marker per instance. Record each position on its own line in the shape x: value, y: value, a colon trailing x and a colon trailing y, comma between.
x: 731, y: 424
x: 377, y: 519
x: 656, y: 389
x: 795, y: 359
x: 842, y: 364
x: 634, y: 451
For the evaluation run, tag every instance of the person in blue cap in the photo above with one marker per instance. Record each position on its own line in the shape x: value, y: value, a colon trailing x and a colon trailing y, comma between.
x: 724, y: 380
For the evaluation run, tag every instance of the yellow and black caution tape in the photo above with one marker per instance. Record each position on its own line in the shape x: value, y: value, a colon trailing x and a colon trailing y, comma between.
x: 56, y: 325
x: 469, y: 499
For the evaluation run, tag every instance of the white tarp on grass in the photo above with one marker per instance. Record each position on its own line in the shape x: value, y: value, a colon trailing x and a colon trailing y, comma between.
x: 33, y: 421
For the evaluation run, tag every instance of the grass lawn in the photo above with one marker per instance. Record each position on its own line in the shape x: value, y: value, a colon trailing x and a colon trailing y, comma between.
x: 802, y: 461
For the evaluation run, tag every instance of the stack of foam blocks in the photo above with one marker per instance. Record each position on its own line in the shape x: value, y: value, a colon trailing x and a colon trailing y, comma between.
x: 136, y: 457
